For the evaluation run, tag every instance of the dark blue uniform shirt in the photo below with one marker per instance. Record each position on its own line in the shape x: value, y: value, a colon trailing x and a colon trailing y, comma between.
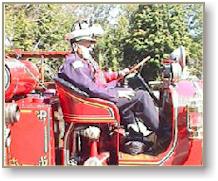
x: 81, y: 73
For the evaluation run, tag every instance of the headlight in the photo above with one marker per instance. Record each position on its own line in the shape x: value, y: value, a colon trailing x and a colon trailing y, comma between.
x: 7, y: 78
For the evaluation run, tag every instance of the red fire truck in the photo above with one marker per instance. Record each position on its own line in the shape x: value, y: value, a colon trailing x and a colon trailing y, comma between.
x: 55, y: 123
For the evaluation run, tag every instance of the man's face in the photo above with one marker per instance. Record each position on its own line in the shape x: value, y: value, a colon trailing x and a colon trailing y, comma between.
x: 85, y: 43
x: 85, y: 48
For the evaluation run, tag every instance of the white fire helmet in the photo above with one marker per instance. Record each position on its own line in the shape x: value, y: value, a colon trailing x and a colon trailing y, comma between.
x: 83, y: 31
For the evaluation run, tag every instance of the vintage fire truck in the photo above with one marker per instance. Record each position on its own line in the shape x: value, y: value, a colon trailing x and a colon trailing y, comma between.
x: 55, y: 123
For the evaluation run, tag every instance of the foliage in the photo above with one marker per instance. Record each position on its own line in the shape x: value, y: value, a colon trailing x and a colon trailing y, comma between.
x: 157, y: 30
x: 35, y: 27
x: 132, y: 31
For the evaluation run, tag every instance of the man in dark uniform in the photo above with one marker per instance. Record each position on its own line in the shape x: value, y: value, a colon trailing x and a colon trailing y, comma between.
x: 82, y: 70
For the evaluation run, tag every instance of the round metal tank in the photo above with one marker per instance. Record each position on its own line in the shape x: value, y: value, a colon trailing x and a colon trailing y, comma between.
x: 21, y: 77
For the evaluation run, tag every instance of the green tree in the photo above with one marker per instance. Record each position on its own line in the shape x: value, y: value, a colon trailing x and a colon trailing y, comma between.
x: 132, y: 31
x: 111, y: 46
x: 157, y: 30
x: 38, y: 27
x: 195, y: 26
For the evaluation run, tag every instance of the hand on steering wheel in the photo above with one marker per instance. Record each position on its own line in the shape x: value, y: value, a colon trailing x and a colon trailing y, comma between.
x: 124, y: 72
x: 135, y: 67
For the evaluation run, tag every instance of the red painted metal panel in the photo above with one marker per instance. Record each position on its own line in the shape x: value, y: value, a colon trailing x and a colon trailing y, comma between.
x: 32, y: 139
x: 195, y: 154
x: 86, y: 110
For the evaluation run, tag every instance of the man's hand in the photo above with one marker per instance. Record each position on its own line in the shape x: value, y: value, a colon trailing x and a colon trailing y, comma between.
x: 126, y: 93
x: 123, y: 72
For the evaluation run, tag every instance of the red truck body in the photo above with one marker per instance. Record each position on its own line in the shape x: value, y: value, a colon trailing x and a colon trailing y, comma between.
x: 48, y: 129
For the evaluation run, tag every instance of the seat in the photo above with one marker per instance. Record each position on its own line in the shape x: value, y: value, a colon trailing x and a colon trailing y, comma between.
x: 78, y: 107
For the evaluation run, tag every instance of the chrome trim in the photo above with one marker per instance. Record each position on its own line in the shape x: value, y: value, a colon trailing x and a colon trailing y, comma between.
x: 45, y: 139
x: 66, y: 149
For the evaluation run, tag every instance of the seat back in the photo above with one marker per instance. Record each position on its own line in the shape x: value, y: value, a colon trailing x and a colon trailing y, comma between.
x: 78, y: 107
